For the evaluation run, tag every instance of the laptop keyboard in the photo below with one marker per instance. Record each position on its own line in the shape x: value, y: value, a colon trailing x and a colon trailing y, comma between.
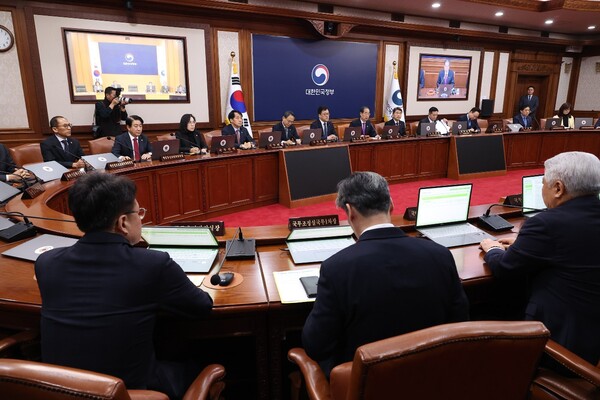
x: 317, y: 250
x: 451, y: 230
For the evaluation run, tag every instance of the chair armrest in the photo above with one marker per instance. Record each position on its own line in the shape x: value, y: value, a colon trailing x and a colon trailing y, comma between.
x: 21, y: 337
x: 573, y: 362
x: 137, y: 394
x: 208, y: 384
x: 317, y: 385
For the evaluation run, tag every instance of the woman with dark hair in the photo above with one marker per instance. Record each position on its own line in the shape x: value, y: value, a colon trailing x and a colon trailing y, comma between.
x: 566, y: 119
x: 190, y: 139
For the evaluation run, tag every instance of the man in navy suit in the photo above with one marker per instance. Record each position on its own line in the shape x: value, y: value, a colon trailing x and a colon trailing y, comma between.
x: 61, y: 147
x: 363, y: 121
x: 446, y: 75
x: 471, y: 118
x: 243, y: 139
x: 530, y: 100
x: 8, y: 170
x: 323, y: 123
x: 384, y: 285
x: 287, y: 128
x: 101, y: 296
x: 597, y: 124
x: 133, y: 145
x: 523, y: 117
x: 557, y: 251
x: 397, y: 120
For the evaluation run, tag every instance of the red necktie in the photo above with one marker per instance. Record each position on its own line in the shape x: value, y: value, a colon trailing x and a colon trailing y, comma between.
x: 136, y: 149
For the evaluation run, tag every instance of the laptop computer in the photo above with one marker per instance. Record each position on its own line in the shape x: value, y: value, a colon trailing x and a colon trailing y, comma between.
x: 7, y: 191
x: 493, y: 126
x: 426, y: 128
x: 583, y: 123
x: 164, y: 148
x: 313, y: 245
x: 532, y: 195
x: 352, y: 132
x: 553, y: 123
x: 99, y: 161
x: 390, y: 132
x: 47, y: 171
x: 194, y: 248
x: 267, y: 138
x: 459, y: 126
x: 514, y: 127
x: 308, y: 135
x: 221, y: 142
x: 442, y: 213
x: 31, y: 249
x: 445, y: 89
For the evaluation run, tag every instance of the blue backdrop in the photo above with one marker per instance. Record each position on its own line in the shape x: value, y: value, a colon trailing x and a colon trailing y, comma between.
x: 300, y: 75
x: 133, y: 59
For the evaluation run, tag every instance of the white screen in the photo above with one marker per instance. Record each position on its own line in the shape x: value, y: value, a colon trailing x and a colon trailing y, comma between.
x: 444, y: 204
x: 178, y: 236
x: 532, y: 192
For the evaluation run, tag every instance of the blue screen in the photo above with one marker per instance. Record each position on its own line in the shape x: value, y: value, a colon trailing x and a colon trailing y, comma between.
x: 132, y: 59
x: 300, y: 75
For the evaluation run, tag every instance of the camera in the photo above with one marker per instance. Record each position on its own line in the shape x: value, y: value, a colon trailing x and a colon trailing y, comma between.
x: 122, y: 99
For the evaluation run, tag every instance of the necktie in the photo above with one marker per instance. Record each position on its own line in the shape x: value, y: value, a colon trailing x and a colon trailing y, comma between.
x: 529, y: 98
x: 65, y: 145
x: 237, y: 134
x: 363, y: 128
x: 325, y: 129
x: 286, y: 134
x: 136, y: 149
x: 397, y: 123
x: 445, y: 78
x: 524, y: 122
x: 468, y: 123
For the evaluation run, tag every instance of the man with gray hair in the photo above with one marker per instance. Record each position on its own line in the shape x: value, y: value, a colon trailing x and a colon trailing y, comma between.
x: 384, y: 285
x: 557, y: 250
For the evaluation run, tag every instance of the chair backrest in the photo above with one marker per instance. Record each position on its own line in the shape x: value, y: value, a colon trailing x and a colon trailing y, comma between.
x: 101, y: 145
x: 26, y: 154
x: 379, y: 127
x: 483, y: 124
x: 167, y: 136
x: 209, y: 135
x: 413, y: 128
x: 469, y: 360
x: 341, y: 128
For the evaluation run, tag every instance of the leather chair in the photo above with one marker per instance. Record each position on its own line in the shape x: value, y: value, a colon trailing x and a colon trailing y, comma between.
x: 340, y: 128
x: 30, y: 380
x: 468, y: 360
x: 584, y: 385
x: 167, y: 136
x: 413, y: 128
x: 379, y: 128
x: 209, y: 135
x: 301, y: 128
x: 101, y: 145
x: 483, y: 124
x: 26, y: 154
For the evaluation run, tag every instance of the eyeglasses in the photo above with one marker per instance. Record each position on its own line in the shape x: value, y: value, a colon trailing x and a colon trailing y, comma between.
x: 66, y: 126
x: 141, y: 212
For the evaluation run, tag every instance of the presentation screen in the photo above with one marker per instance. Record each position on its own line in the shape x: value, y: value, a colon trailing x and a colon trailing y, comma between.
x: 145, y: 68
x: 300, y: 75
x: 443, y: 77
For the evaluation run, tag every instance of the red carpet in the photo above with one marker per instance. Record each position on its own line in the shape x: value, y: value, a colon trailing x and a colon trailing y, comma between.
x: 485, y: 191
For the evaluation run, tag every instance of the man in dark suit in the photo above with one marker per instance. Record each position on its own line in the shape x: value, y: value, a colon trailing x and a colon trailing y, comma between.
x: 597, y: 124
x: 133, y: 145
x: 109, y: 113
x: 446, y: 75
x: 397, y: 121
x: 243, y: 139
x: 363, y: 121
x: 471, y: 118
x: 323, y: 123
x: 101, y: 296
x: 556, y: 250
x: 530, y: 100
x: 433, y: 116
x: 8, y: 170
x: 384, y: 285
x: 287, y: 128
x: 61, y: 147
x: 523, y: 117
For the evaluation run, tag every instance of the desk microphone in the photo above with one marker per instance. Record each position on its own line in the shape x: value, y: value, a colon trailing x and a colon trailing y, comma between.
x: 18, y: 231
x: 226, y: 278
x: 87, y: 165
x: 495, y: 222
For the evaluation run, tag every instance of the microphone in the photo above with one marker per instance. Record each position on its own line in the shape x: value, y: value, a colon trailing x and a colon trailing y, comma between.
x: 87, y: 167
x: 226, y: 278
x: 20, y: 230
x: 495, y: 222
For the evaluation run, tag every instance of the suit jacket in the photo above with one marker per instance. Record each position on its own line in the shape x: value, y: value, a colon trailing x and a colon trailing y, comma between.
x: 440, y: 79
x: 52, y: 150
x: 244, y: 134
x: 7, y: 165
x: 292, y: 134
x: 533, y: 103
x: 524, y: 121
x: 557, y: 250
x: 570, y: 124
x: 597, y: 124
x: 369, y: 128
x: 473, y: 122
x: 109, y: 120
x: 423, y: 121
x: 369, y: 292
x: 124, y: 147
x: 401, y: 124
x: 188, y: 139
x: 100, y: 298
x: 330, y: 128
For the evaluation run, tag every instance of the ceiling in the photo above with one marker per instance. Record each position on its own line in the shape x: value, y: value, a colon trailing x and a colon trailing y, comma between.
x: 569, y: 16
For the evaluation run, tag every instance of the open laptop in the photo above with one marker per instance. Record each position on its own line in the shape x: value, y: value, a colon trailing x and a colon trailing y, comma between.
x: 267, y: 138
x: 584, y: 123
x: 532, y: 195
x: 308, y: 135
x: 514, y: 127
x: 390, y: 132
x: 31, y: 249
x: 427, y: 128
x: 7, y: 191
x: 47, y: 171
x: 442, y: 213
x: 221, y: 142
x: 352, y: 132
x: 312, y: 245
x: 445, y: 89
x: 164, y: 148
x: 553, y: 123
x: 194, y: 248
x: 99, y: 161
x: 459, y: 126
x: 493, y: 126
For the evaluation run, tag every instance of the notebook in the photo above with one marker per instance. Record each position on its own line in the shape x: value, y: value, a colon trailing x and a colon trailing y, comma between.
x: 193, y: 248
x: 390, y: 132
x: 164, y: 148
x: 99, y: 161
x: 426, y: 128
x: 47, y: 171
x: 514, y: 127
x: 532, y: 195
x: 308, y: 135
x: 459, y: 126
x: 445, y: 90
x: 31, y: 249
x: 267, y: 138
x: 221, y: 142
x: 7, y: 191
x: 352, y: 132
x: 312, y: 245
x: 553, y: 123
x: 442, y: 213
x: 584, y: 123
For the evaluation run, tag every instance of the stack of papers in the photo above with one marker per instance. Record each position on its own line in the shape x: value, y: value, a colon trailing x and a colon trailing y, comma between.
x: 289, y: 286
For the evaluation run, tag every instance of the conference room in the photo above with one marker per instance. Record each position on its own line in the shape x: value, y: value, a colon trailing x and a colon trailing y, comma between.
x: 265, y: 59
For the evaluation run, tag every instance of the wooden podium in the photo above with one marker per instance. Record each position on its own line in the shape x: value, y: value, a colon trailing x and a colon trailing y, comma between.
x: 476, y: 156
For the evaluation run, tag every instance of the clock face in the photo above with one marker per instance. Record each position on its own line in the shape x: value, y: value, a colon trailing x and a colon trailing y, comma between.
x: 6, y: 39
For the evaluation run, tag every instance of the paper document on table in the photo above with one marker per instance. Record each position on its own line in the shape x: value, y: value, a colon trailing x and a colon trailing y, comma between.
x: 289, y: 286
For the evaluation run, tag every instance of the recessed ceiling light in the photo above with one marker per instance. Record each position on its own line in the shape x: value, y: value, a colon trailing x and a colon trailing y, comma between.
x: 499, y: 13
x: 436, y: 5
x: 548, y: 21
x: 592, y: 27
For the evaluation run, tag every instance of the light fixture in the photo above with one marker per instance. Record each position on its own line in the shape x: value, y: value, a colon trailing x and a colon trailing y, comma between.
x: 548, y: 21
x: 436, y: 5
x: 499, y: 13
x: 592, y: 27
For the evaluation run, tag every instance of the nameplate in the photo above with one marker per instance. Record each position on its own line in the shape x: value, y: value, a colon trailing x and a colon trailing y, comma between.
x: 118, y: 165
x: 226, y: 150
x: 585, y: 128
x: 318, y: 142
x: 465, y: 132
x: 311, y: 222
x: 72, y: 175
x: 172, y: 157
x: 216, y: 227
x: 33, y: 191
x: 558, y: 128
x: 358, y: 139
x: 393, y: 137
x: 274, y: 146
x: 434, y: 134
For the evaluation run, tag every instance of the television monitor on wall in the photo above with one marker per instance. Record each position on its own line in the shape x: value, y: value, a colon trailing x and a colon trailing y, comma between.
x: 443, y: 77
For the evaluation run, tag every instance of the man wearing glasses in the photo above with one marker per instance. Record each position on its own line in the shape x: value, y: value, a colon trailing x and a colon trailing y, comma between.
x: 100, y: 297
x: 61, y: 147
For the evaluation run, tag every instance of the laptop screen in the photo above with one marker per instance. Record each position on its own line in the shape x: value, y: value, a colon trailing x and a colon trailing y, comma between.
x: 443, y: 204
x: 178, y: 236
x: 532, y: 193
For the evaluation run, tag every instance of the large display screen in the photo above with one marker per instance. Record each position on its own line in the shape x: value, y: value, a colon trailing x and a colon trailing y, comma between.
x: 443, y: 77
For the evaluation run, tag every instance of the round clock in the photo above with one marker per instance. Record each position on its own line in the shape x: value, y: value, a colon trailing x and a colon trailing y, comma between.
x: 7, y: 40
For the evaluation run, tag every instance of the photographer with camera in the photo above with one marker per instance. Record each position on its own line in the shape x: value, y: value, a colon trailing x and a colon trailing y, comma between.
x: 110, y: 112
